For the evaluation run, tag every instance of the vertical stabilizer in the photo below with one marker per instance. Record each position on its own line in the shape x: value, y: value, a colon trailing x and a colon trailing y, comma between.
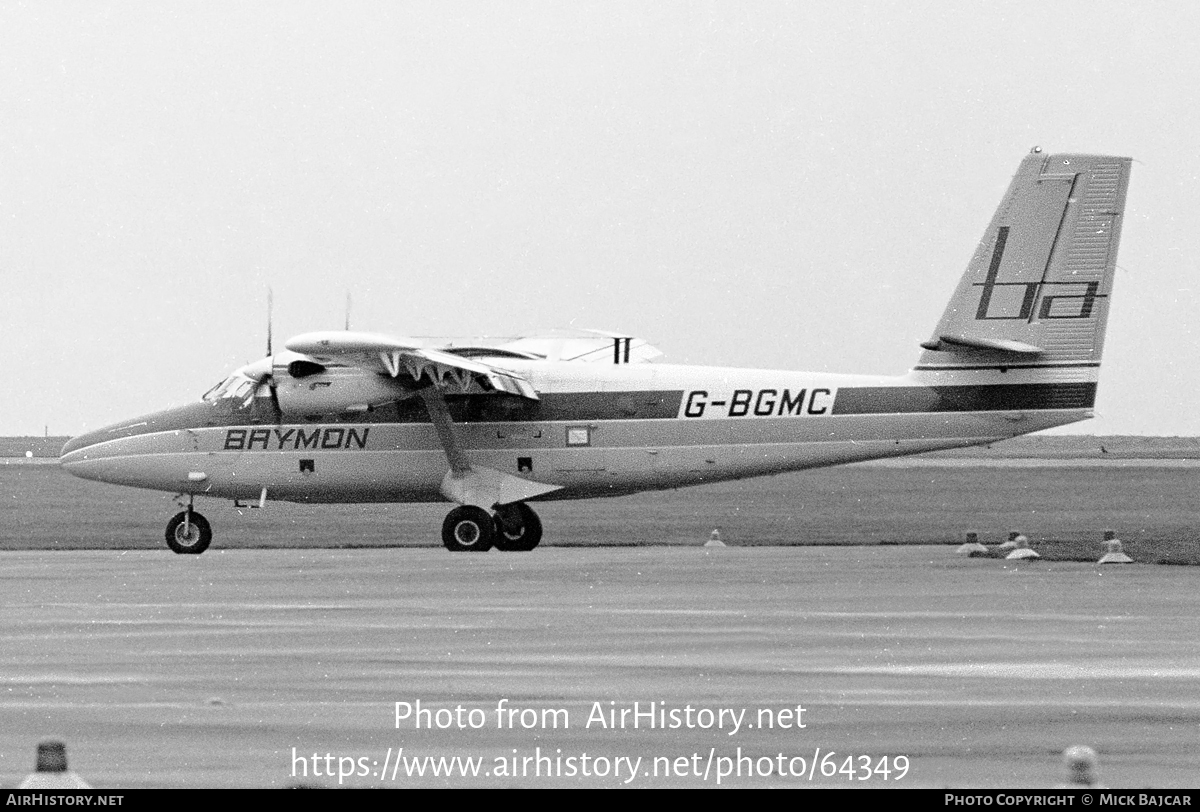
x: 1037, y: 291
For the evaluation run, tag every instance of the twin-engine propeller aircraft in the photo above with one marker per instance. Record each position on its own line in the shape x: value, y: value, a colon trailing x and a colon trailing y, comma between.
x: 357, y: 417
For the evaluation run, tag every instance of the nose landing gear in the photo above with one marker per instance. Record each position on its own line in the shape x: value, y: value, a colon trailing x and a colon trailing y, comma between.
x: 188, y: 533
x: 514, y: 528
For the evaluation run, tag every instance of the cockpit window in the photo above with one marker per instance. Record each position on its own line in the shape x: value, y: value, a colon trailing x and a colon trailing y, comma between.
x: 236, y: 387
x: 215, y: 393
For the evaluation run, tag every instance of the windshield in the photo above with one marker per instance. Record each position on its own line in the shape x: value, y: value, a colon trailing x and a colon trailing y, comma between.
x: 236, y: 387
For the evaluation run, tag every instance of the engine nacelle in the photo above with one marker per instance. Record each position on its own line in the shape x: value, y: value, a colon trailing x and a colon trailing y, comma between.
x: 307, y: 388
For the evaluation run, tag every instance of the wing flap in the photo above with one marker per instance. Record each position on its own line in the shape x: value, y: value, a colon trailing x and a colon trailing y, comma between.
x: 452, y: 371
x: 396, y: 356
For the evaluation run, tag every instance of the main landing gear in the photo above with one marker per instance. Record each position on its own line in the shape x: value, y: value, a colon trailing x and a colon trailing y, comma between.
x: 513, y: 528
x: 188, y: 533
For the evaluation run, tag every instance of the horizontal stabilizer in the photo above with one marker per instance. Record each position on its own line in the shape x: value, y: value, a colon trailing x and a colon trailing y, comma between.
x: 952, y: 343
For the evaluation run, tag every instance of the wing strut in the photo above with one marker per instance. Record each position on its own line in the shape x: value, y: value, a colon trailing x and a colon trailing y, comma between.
x: 435, y: 404
x: 465, y: 482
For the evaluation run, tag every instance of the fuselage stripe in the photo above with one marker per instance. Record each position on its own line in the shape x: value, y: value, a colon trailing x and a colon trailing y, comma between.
x: 978, y: 398
x: 964, y: 368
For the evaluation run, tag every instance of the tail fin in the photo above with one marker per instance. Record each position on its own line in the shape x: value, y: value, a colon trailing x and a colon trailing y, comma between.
x: 1036, y: 293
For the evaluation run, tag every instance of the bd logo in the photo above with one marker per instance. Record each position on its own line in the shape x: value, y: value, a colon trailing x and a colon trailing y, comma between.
x: 1015, y: 300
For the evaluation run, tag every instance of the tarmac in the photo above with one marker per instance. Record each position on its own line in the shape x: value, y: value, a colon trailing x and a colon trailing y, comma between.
x: 270, y: 668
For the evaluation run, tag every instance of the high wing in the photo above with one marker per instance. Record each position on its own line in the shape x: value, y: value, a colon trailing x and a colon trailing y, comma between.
x: 434, y: 374
x: 394, y: 356
x: 595, y: 346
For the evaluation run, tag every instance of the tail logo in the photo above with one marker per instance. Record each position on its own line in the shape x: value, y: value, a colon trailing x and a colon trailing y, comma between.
x: 1016, y: 301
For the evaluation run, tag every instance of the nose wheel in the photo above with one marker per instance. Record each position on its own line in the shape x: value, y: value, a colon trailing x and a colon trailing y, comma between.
x: 188, y: 533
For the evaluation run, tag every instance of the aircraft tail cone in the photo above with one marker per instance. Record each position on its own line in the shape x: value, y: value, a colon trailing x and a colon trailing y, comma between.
x: 1020, y: 549
x: 972, y: 547
x: 714, y: 540
x: 1113, y: 554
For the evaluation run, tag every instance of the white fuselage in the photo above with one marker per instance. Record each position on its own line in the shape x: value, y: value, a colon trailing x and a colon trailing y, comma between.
x: 597, y: 430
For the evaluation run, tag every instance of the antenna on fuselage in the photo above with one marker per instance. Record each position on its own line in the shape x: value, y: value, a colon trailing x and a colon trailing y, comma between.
x: 347, y: 311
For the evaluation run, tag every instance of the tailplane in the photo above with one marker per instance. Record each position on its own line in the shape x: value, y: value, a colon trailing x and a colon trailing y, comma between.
x: 1037, y: 292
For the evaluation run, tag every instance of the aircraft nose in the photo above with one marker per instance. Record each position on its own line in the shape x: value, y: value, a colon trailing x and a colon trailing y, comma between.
x: 70, y: 451
x: 108, y: 441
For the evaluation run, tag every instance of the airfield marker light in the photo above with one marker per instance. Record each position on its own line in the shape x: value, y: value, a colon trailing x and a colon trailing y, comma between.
x: 1082, y: 767
x: 1013, y: 535
x: 51, y: 771
x: 714, y: 539
x: 972, y: 547
x: 1020, y: 549
x: 51, y: 757
x: 1113, y: 554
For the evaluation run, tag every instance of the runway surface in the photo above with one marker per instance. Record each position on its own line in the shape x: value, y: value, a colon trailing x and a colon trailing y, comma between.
x: 235, y: 667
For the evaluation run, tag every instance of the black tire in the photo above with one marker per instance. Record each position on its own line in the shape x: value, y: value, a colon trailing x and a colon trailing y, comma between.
x: 193, y: 543
x: 526, y: 537
x: 468, y: 529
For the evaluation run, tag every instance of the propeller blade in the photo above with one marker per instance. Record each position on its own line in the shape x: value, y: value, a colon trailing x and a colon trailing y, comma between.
x: 270, y: 303
x: 269, y: 380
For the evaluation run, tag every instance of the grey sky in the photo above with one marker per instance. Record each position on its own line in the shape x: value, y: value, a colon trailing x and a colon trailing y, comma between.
x: 792, y: 185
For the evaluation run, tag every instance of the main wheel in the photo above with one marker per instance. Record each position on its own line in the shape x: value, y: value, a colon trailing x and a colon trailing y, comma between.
x: 468, y: 528
x: 518, y: 528
x: 192, y: 540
